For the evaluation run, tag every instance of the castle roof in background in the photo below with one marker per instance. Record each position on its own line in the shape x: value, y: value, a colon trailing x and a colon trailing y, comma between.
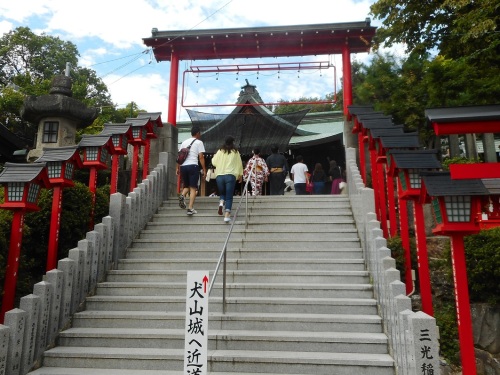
x: 254, y: 125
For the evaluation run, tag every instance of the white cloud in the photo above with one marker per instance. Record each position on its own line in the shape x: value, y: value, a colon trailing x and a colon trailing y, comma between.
x: 21, y: 11
x: 149, y: 91
x: 5, y: 27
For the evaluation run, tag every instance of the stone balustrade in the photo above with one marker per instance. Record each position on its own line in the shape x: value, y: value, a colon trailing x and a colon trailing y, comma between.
x: 33, y: 327
x: 413, y: 336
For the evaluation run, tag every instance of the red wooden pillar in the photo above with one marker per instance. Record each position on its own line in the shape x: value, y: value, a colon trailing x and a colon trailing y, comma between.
x: 145, y: 161
x: 55, y: 224
x: 173, y: 88
x: 392, y: 205
x: 16, y: 238
x: 115, y: 159
x: 362, y: 156
x: 346, y: 77
x: 374, y: 176
x: 135, y: 162
x: 382, y: 199
x: 465, y: 334
x: 405, y: 239
x: 422, y: 259
x: 93, y: 189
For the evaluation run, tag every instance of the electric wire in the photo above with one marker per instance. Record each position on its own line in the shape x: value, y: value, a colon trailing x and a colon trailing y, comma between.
x: 149, y: 50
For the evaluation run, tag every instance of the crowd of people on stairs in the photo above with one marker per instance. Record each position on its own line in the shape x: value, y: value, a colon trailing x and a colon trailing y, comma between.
x: 229, y: 170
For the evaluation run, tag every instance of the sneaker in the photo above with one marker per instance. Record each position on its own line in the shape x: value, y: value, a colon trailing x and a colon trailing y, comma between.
x: 221, y: 207
x: 191, y: 211
x: 182, y: 202
x: 227, y: 217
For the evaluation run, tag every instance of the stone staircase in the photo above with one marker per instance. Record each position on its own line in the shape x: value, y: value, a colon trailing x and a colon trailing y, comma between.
x: 299, y: 299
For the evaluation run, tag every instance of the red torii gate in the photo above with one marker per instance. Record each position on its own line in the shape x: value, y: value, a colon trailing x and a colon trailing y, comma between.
x: 260, y: 42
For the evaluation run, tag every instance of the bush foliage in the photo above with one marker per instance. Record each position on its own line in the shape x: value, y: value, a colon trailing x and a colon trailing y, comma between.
x: 483, y: 266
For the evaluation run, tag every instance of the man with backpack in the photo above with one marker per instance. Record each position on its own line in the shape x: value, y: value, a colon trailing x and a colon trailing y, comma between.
x: 189, y: 170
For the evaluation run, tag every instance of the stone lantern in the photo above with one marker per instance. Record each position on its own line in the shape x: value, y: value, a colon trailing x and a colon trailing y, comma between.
x: 61, y: 163
x: 369, y: 123
x: 382, y: 145
x: 140, y: 129
x: 156, y: 123
x: 407, y: 165
x: 58, y: 116
x: 121, y: 135
x: 96, y: 150
x: 355, y: 111
x: 456, y: 204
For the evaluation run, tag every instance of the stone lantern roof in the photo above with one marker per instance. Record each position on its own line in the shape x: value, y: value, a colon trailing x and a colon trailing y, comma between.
x: 16, y: 172
x: 440, y: 183
x: 58, y: 103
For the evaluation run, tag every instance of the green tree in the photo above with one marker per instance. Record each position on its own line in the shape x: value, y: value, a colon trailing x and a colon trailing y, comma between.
x: 28, y: 62
x: 404, y: 87
x: 357, y: 77
x: 463, y: 33
x: 457, y: 28
x: 298, y: 105
x: 24, y: 54
x: 378, y: 82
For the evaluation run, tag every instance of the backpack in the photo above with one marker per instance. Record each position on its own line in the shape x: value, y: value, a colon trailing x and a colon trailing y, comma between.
x: 183, y: 153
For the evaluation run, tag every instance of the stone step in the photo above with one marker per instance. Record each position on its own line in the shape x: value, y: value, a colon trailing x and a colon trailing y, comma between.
x: 327, y: 223
x: 271, y: 235
x: 175, y: 252
x: 200, y: 243
x: 96, y: 371
x: 229, y: 361
x: 103, y: 371
x: 248, y: 321
x: 212, y: 219
x: 145, y: 262
x: 238, y: 304
x: 246, y: 276
x: 238, y: 290
x: 264, y: 202
x: 340, y: 342
x: 261, y: 211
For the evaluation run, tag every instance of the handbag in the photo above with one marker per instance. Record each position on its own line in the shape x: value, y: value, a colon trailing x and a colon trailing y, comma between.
x: 183, y: 153
x: 309, y: 187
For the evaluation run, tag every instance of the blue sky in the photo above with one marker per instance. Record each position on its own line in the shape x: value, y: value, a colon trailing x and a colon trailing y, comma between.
x: 108, y: 35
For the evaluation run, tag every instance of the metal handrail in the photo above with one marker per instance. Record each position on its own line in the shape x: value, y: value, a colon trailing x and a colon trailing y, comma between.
x: 223, y: 255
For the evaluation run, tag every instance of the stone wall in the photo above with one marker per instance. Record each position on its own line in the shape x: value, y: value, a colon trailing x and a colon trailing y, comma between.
x: 486, y: 329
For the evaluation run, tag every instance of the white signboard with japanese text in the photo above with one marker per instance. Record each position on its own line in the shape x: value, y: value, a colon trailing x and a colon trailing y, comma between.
x: 196, y: 327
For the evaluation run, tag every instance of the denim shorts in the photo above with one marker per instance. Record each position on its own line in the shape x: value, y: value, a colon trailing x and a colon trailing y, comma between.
x: 190, y: 175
